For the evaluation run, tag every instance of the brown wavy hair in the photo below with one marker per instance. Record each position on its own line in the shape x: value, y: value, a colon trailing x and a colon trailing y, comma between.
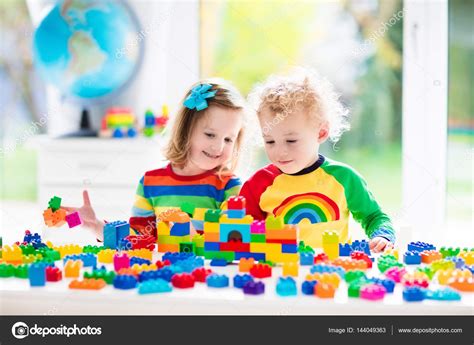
x: 178, y: 148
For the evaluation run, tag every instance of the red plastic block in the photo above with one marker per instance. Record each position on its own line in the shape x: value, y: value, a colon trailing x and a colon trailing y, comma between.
x: 261, y: 271
x: 160, y: 264
x: 53, y: 274
x: 183, y: 280
x: 236, y: 203
x: 321, y: 257
x: 234, y: 247
x: 358, y: 255
x: 269, y: 240
x: 200, y: 274
x: 139, y: 242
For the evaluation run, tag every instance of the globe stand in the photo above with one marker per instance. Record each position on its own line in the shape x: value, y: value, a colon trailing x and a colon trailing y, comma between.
x: 85, y: 129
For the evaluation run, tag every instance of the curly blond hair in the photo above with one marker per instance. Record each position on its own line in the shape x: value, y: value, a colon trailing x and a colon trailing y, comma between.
x: 302, y: 88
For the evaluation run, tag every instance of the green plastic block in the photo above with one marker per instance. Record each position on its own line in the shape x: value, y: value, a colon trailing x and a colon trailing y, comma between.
x: 21, y: 271
x: 188, y: 208
x: 446, y: 252
x: 212, y: 216
x: 108, y: 276
x: 427, y: 270
x: 353, y: 276
x: 199, y: 251
x: 27, y: 249
x: 92, y: 249
x: 269, y: 263
x: 7, y: 270
x: 187, y: 247
x: 167, y: 239
x: 55, y: 203
x: 354, y: 288
x: 258, y: 238
x: 148, y: 131
x: 303, y: 248
x: 229, y: 256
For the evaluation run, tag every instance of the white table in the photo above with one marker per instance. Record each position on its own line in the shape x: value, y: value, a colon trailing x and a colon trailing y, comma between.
x: 17, y: 297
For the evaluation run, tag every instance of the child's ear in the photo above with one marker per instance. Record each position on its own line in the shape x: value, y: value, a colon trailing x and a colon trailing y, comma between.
x: 323, y: 133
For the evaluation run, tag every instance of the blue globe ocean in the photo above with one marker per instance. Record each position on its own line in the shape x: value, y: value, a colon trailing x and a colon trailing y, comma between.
x: 87, y: 49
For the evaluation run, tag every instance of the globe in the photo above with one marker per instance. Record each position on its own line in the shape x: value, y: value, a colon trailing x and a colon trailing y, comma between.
x: 88, y: 49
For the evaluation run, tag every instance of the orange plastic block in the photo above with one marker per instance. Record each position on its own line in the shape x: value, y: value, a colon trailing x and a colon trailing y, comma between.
x: 462, y: 284
x: 12, y: 254
x: 468, y: 257
x: 246, y: 264
x: 350, y: 264
x: 127, y: 272
x: 72, y: 268
x: 211, y: 237
x: 106, y: 256
x: 163, y: 248
x: 290, y: 269
x: 324, y: 290
x: 179, y: 217
x: 288, y: 233
x: 444, y: 275
x: 88, y: 284
x: 327, y: 278
x: 140, y: 253
x: 54, y: 218
x: 428, y: 256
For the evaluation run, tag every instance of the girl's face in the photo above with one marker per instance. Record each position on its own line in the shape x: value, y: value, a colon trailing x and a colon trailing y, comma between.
x: 291, y: 142
x: 213, y: 139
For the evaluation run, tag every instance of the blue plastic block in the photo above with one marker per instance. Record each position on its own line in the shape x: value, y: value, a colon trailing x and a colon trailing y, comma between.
x: 446, y: 294
x: 173, y: 257
x: 165, y: 273
x: 420, y: 246
x: 307, y: 288
x: 219, y: 262
x: 37, y: 274
x: 362, y: 246
x: 345, y: 249
x: 132, y: 132
x: 241, y: 280
x: 286, y: 287
x: 125, y: 282
x: 243, y: 229
x: 217, y: 280
x: 412, y: 258
x: 180, y: 229
x: 117, y: 133
x: 29, y: 238
x: 114, y: 232
x: 256, y: 256
x: 413, y: 294
x: 388, y: 284
x: 470, y: 268
x: 236, y: 214
x: 125, y: 244
x: 212, y: 247
x: 154, y: 286
x: 459, y: 262
x: 140, y: 261
x: 325, y: 268
x: 88, y: 259
x: 306, y: 259
x: 289, y: 248
x: 189, y: 264
x: 254, y: 288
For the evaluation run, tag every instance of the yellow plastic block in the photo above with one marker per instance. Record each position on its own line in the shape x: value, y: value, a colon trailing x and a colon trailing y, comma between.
x: 273, y: 248
x: 468, y: 257
x: 144, y: 267
x: 328, y: 278
x: 248, y: 219
x: 199, y: 213
x: 68, y: 249
x: 290, y: 269
x: 211, y: 227
x: 140, y: 253
x: 163, y: 228
x: 12, y: 254
x: 106, y: 256
x: 331, y: 244
x: 258, y: 247
x: 72, y: 268
x: 282, y: 257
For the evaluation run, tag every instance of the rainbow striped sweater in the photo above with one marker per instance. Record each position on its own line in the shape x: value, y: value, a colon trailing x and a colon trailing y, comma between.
x: 162, y: 189
x: 318, y: 198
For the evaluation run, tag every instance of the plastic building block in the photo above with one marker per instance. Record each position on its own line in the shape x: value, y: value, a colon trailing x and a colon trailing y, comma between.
x: 114, y: 232
x: 189, y: 265
x: 413, y: 294
x: 21, y: 271
x: 372, y: 292
x: 125, y: 282
x: 306, y: 259
x: 261, y: 271
x: 37, y: 274
x: 462, y: 284
x: 241, y: 280
x: 468, y: 257
x: 236, y: 203
x: 108, y: 277
x: 183, y: 280
x: 321, y: 258
x: 324, y: 290
x: 428, y: 256
x: 449, y: 251
x: 54, y: 203
x: 274, y: 223
x: 290, y: 269
x: 350, y: 264
x: 420, y: 246
x: 345, y: 249
x: 355, y: 275
x: 445, y: 294
x: 218, y: 262
x: 72, y: 268
x: 139, y: 261
x: 88, y: 259
x: 326, y: 268
x: 7, y: 270
x: 458, y: 262
x: 388, y: 284
x: 286, y: 287
x: 354, y: 288
x: 331, y: 244
x: 427, y: 271
x: 92, y: 249
x: 53, y: 274
x: 411, y: 281
x: 87, y: 284
x: 73, y: 219
x: 303, y: 248
x: 160, y: 264
x: 200, y: 274
x: 362, y: 246
x: 412, y: 258
x: 12, y: 254
x: 174, y: 257
x: 358, y: 255
x: 257, y: 227
x: 307, y: 288
x: 138, y: 242
x: 180, y: 229
x: 212, y: 216
x: 328, y: 278
x: 246, y: 264
x: 154, y: 286
x: 236, y: 214
x: 106, y: 256
x: 442, y: 265
x: 217, y: 280
x: 253, y: 288
x: 121, y: 260
x: 187, y: 247
x: 387, y: 261
x: 444, y: 275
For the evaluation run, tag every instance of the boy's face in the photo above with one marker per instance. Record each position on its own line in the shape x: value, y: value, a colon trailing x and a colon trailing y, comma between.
x: 213, y: 139
x: 292, y: 141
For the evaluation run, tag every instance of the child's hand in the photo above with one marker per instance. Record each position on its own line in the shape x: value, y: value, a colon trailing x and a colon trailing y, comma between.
x: 87, y: 213
x: 379, y: 244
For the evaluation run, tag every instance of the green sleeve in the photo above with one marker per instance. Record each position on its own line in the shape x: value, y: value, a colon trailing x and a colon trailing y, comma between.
x: 361, y: 202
